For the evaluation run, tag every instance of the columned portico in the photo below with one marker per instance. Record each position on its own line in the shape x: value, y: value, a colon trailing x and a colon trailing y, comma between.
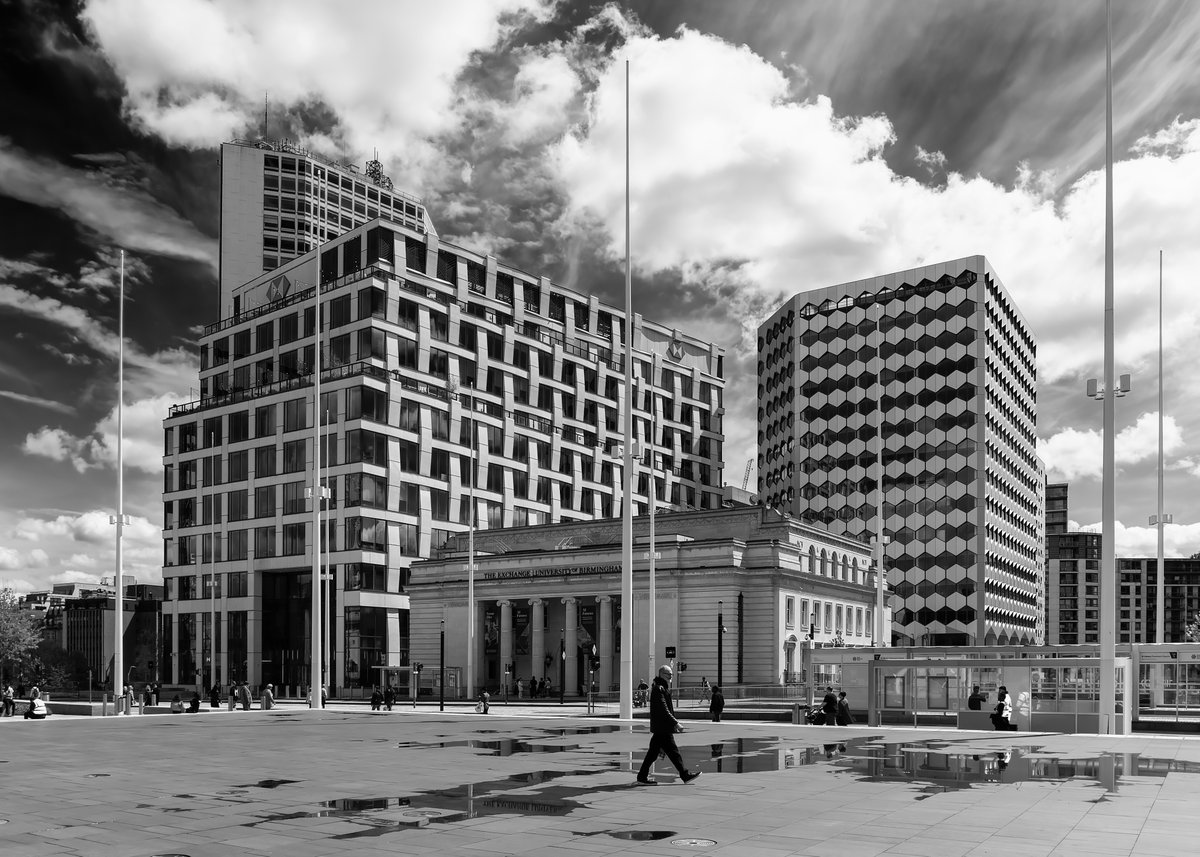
x: 537, y: 642
x: 506, y: 636
x: 571, y: 627
x: 605, y: 648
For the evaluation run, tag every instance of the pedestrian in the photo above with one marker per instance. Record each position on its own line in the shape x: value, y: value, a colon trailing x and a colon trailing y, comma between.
x: 129, y: 699
x: 376, y: 699
x: 482, y: 706
x: 244, y: 696
x: 1002, y: 713
x: 10, y: 702
x: 214, y: 696
x: 389, y: 697
x: 324, y: 696
x: 717, y: 704
x: 705, y: 689
x: 194, y: 703
x: 843, y: 716
x: 150, y: 695
x: 976, y: 699
x: 268, y: 697
x: 37, y: 706
x: 829, y: 707
x: 233, y: 695
x: 663, y: 727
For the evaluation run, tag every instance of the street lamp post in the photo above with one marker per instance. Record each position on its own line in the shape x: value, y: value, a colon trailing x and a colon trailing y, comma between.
x: 318, y: 646
x: 562, y: 665
x: 720, y: 644
x: 442, y: 668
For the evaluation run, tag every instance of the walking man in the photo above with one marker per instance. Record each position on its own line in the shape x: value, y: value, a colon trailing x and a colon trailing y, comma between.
x: 663, y: 727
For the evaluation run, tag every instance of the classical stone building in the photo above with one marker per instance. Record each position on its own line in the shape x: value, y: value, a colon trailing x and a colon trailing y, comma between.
x: 542, y: 591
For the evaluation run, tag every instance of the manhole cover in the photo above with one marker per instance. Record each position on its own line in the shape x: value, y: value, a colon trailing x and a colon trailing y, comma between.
x: 425, y: 813
x: 694, y: 843
x: 91, y: 776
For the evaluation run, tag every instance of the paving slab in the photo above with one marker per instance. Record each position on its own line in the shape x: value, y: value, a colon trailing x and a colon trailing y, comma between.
x: 538, y: 782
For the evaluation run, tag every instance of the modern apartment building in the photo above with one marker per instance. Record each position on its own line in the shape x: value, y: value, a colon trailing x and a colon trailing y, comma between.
x: 453, y: 387
x: 1136, y: 599
x: 1057, y: 496
x: 279, y: 201
x: 938, y: 362
x: 1073, y: 584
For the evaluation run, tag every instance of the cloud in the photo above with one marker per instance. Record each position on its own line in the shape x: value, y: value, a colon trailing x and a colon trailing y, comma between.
x: 120, y: 211
x: 78, y: 547
x: 37, y: 400
x: 1179, y: 540
x: 143, y: 438
x: 1075, y: 454
x: 195, y: 71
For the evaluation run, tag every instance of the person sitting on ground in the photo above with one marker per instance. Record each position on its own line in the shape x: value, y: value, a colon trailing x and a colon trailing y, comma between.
x: 176, y: 704
x: 37, y: 706
x: 194, y: 703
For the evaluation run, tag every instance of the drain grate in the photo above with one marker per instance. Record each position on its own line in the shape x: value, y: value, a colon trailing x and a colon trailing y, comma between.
x: 694, y: 843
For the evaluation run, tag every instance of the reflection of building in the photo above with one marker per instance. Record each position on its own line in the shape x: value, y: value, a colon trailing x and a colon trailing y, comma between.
x: 954, y: 379
x: 559, y: 586
x: 87, y: 629
x: 443, y: 369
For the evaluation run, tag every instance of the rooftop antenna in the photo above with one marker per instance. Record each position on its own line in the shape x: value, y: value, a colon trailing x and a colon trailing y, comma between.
x: 266, y: 125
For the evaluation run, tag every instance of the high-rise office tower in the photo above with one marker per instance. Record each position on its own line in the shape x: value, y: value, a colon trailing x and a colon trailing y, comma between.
x: 453, y: 388
x: 944, y: 359
x: 279, y: 201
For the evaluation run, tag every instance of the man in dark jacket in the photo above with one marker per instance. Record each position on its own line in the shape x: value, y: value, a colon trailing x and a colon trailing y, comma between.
x: 663, y: 727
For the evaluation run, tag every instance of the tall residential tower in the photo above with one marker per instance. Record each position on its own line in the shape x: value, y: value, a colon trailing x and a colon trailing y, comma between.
x: 942, y: 354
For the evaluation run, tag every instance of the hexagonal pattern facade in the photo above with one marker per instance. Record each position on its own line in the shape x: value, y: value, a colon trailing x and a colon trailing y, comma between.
x: 943, y: 358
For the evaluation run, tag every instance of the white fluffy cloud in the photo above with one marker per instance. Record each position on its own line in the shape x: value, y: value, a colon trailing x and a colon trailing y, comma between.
x: 1074, y: 453
x: 1179, y: 540
x: 77, y: 548
x: 198, y: 70
x: 143, y: 438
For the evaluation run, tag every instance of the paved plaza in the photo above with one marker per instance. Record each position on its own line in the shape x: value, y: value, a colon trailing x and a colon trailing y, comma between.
x: 530, y: 781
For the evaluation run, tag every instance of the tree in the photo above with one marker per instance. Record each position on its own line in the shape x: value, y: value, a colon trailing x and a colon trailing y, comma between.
x: 19, y: 634
x: 1192, y: 632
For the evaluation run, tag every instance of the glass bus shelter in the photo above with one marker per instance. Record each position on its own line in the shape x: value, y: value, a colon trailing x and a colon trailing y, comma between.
x: 1060, y: 694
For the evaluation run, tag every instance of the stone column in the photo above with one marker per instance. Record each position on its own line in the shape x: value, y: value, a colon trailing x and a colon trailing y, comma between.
x: 537, y: 645
x: 506, y: 638
x: 604, y: 645
x: 571, y: 626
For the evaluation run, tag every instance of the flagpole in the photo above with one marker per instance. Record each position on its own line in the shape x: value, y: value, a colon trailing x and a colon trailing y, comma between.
x: 625, y: 687
x: 119, y: 520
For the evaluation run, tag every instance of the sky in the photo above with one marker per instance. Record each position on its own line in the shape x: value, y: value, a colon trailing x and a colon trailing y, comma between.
x: 775, y: 146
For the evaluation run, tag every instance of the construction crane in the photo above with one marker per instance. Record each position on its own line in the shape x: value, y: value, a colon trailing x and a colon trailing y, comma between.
x: 746, y: 478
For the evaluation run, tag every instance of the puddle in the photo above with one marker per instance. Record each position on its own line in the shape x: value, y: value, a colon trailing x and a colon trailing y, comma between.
x: 641, y: 835
x: 945, y: 766
x: 267, y: 784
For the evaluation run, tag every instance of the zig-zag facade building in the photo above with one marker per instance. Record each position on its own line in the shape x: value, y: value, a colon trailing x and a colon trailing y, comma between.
x: 947, y: 359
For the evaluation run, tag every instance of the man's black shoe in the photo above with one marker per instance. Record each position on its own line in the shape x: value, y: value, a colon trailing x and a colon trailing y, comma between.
x: 690, y: 775
x: 647, y: 781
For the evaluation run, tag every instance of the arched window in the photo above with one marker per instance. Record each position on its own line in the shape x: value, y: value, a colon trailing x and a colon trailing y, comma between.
x: 824, y: 563
x: 812, y: 559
